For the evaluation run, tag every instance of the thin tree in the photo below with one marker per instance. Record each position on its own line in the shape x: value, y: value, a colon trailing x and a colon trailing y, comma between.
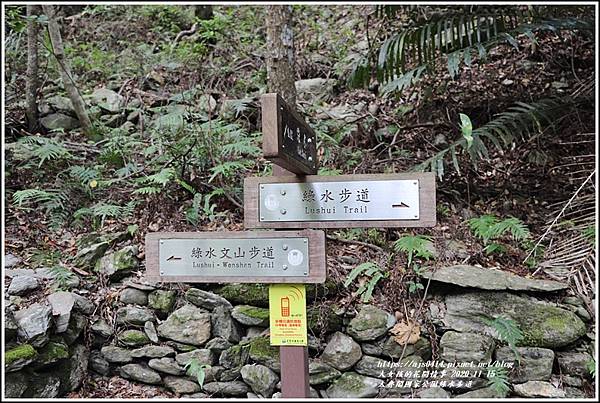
x: 31, y: 80
x: 65, y: 69
x: 281, y: 73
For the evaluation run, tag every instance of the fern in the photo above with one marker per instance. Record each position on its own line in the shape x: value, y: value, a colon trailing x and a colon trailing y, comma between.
x: 44, y: 149
x: 241, y: 148
x: 370, y: 270
x: 507, y: 331
x: 102, y: 210
x: 194, y: 368
x: 147, y: 190
x: 227, y: 169
x: 414, y: 246
x: 161, y: 178
x: 53, y: 201
x: 62, y: 277
x: 487, y: 227
x: 590, y: 366
x: 498, y: 379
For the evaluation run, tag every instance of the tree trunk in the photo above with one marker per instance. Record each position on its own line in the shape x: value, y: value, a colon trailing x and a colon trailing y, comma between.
x: 203, y: 12
x: 65, y: 69
x: 281, y: 73
x: 31, y: 80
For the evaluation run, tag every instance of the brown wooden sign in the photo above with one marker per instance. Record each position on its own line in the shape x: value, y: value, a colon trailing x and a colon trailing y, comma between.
x: 288, y: 140
x: 242, y: 257
x: 345, y: 201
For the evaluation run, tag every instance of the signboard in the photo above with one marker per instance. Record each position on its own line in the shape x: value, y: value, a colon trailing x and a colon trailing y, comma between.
x: 288, y: 140
x: 243, y: 257
x: 386, y: 200
x: 287, y: 315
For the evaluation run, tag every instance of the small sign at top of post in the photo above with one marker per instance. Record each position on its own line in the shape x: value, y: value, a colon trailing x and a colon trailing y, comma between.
x: 288, y: 140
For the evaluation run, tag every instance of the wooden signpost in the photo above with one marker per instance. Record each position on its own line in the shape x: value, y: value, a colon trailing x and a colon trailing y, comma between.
x: 292, y: 199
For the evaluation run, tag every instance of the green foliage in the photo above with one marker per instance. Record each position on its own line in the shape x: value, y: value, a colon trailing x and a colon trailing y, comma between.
x: 53, y: 201
x: 194, y: 368
x: 370, y: 270
x: 590, y: 234
x: 488, y: 227
x: 508, y: 331
x: 414, y: 246
x: 591, y: 367
x: 498, y: 379
x: 467, y: 129
x: 413, y: 287
x: 103, y: 210
x: 36, y: 149
x: 203, y: 208
x: 62, y: 277
x: 44, y: 258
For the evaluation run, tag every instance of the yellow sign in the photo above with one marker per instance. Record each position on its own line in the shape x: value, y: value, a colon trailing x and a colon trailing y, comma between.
x: 287, y: 315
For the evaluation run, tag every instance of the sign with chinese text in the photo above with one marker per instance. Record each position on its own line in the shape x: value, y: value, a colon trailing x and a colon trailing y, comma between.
x: 268, y: 257
x: 287, y: 315
x: 387, y: 200
x: 288, y: 140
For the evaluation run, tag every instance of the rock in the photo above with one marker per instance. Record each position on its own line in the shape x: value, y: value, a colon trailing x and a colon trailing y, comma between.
x: 73, y: 370
x: 152, y: 352
x: 188, y: 325
x: 261, y: 379
x: 133, y: 296
x: 131, y: 315
x: 253, y: 331
x: 10, y: 327
x: 583, y: 314
x: 206, y: 103
x: 62, y: 303
x: 102, y: 328
x: 433, y: 393
x: 213, y: 373
x: 22, y: 285
x: 206, y: 299
x: 108, y: 100
x: 262, y: 352
x: 134, y: 338
x: 536, y: 363
x: 83, y: 304
x: 19, y: 357
x: 166, y: 365
x: 250, y: 315
x: 343, y: 112
x: 247, y: 294
x: 571, y: 363
x: 76, y: 325
x: 181, y: 385
x: 320, y: 373
x: 235, y: 356
x: 217, y: 345
x: 543, y: 324
x: 537, y: 389
x: 150, y: 331
x: 490, y: 279
x: 15, y: 384
x: 482, y: 393
x: 370, y: 323
x: 574, y: 393
x: 88, y: 256
x: 370, y: 366
x: 141, y: 284
x: 50, y: 354
x: 391, y: 349
x: 33, y: 324
x: 315, y: 89
x: 466, y: 347
x: 60, y: 103
x: 11, y: 261
x: 342, y: 352
x: 224, y: 326
x: 228, y: 375
x: 162, y: 301
x: 47, y: 273
x: 43, y: 386
x: 353, y: 385
x: 119, y: 264
x: 322, y: 320
x: 226, y: 389
x: 140, y: 373
x: 116, y: 355
x: 55, y: 121
x: 572, y: 381
x: 98, y: 363
x: 184, y: 348
x: 202, y: 355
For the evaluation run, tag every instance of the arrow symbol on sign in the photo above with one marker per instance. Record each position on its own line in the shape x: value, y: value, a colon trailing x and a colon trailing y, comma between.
x: 401, y: 205
x: 173, y: 258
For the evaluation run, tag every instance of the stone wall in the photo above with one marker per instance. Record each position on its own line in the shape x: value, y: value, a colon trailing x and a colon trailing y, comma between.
x: 149, y: 333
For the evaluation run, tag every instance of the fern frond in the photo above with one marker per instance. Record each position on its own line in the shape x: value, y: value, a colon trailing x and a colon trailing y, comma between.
x: 414, y: 245
x: 358, y: 270
x: 161, y: 178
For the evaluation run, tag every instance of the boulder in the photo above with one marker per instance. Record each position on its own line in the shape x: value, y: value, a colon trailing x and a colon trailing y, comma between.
x: 56, y: 121
x: 152, y: 352
x: 43, y: 386
x: 342, y: 352
x: 370, y: 366
x: 50, y: 354
x: 15, y: 384
x: 573, y: 363
x: 206, y: 299
x: 370, y: 323
x: 22, y: 285
x: 261, y: 351
x: 181, y: 385
x: 188, y: 325
x: 217, y: 345
x: 201, y: 355
x: 116, y: 355
x: 140, y: 373
x: 320, y: 373
x: 543, y: 324
x: 226, y: 389
x: 133, y: 296
x: 490, y: 279
x: 102, y: 328
x: 88, y: 256
x: 167, y: 365
x: 83, y: 304
x: 235, y: 356
x: 223, y: 324
x: 251, y: 316
x: 61, y: 103
x: 62, y: 303
x: 73, y: 370
x: 353, y: 385
x: 433, y: 393
x: 322, y: 320
x: 162, y: 301
x: 261, y: 379
x: 150, y: 331
x: 119, y: 264
x: 108, y: 100
x: 18, y: 357
x: 315, y: 89
x: 75, y: 328
x: 246, y: 294
x: 535, y: 363
x: 33, y: 324
x: 98, y: 363
x: 131, y: 315
x: 466, y: 347
x: 134, y: 338
x: 538, y: 389
x: 47, y: 273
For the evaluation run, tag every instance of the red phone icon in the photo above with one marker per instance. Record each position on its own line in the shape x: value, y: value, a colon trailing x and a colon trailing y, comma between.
x: 285, y: 306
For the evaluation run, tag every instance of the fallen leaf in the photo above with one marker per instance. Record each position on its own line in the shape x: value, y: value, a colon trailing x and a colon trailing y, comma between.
x: 406, y: 333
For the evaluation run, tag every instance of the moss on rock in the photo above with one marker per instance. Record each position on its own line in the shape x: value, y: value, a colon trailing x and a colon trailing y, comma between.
x: 22, y: 352
x: 51, y: 353
x: 322, y: 320
x: 250, y: 294
x: 162, y: 301
x: 262, y: 352
x: 134, y: 338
